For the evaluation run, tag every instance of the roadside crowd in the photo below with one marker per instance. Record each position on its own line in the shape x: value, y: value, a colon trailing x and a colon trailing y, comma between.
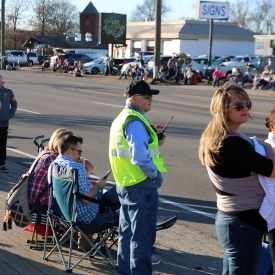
x: 137, y: 167
x: 242, y: 170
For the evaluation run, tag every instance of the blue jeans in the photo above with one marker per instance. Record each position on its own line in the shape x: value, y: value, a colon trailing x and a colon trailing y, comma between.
x: 216, y: 81
x: 242, y: 245
x: 271, y: 239
x: 108, y: 215
x: 272, y: 85
x: 137, y: 228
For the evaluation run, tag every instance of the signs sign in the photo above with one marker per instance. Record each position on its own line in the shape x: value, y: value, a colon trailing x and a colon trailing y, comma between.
x: 112, y: 28
x: 212, y: 10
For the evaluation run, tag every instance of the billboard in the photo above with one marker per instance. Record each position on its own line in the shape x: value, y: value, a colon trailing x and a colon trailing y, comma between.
x: 212, y: 10
x: 112, y: 28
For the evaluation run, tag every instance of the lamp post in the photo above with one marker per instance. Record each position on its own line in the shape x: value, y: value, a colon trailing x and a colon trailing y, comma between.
x: 2, y: 31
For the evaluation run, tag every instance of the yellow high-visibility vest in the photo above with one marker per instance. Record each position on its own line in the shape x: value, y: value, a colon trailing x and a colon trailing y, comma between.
x: 126, y: 173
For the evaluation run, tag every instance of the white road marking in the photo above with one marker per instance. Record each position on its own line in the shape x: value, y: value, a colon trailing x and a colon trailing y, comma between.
x: 20, y: 152
x: 108, y: 104
x: 182, y: 206
x: 29, y: 111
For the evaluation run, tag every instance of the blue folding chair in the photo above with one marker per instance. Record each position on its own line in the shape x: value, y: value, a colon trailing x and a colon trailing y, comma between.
x: 64, y: 185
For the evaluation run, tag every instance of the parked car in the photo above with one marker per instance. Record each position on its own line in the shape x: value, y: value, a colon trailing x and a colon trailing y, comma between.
x: 240, y: 60
x: 163, y: 61
x: 33, y: 59
x: 95, y: 66
x: 146, y: 59
x: 257, y: 64
x: 71, y: 57
x: 119, y: 62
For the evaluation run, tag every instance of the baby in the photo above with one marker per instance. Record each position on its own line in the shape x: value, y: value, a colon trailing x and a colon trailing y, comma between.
x: 89, y: 169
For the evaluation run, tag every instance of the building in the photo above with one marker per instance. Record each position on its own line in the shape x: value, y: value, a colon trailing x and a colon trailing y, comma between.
x: 264, y: 44
x: 186, y: 36
x: 191, y: 37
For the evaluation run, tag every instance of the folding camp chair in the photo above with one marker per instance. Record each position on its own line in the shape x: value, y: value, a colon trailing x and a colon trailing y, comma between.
x: 64, y: 185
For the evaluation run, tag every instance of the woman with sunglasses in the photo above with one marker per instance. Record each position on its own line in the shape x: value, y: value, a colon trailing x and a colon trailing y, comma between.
x: 233, y: 167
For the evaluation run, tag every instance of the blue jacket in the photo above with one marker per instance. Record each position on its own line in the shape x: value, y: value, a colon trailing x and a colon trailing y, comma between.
x: 8, y: 106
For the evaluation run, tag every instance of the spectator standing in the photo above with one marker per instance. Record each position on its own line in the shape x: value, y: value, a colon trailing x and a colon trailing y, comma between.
x: 111, y: 64
x: 189, y: 75
x: 171, y: 67
x: 106, y: 61
x: 217, y: 75
x: 137, y: 167
x: 234, y: 167
x: 178, y: 66
x: 27, y: 58
x: 8, y: 106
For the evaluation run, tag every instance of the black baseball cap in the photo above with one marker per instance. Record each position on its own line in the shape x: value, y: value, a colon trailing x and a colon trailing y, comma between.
x: 139, y: 87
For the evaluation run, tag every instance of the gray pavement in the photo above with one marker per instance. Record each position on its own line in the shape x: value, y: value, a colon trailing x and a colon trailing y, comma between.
x: 183, y: 249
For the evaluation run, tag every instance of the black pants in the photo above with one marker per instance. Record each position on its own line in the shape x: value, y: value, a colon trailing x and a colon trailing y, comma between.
x: 3, y: 144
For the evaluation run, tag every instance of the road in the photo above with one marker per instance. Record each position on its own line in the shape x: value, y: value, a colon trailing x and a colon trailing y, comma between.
x: 88, y: 105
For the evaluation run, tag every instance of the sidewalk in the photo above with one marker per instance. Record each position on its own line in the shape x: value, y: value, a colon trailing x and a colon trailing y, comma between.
x: 184, y: 250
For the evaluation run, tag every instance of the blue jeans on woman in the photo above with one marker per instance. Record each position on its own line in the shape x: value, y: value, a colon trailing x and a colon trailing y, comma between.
x: 242, y: 245
x: 137, y: 227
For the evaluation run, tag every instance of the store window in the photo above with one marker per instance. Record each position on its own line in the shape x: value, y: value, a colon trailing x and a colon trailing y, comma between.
x: 150, y: 46
x: 136, y: 46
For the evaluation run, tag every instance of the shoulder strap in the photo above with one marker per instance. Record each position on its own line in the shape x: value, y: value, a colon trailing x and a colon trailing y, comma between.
x: 45, y: 187
x: 36, y: 161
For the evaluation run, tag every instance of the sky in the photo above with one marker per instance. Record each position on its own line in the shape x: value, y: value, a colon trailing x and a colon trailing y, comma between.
x: 179, y: 8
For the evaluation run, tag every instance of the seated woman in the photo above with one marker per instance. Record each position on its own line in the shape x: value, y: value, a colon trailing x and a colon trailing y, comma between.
x: 38, y: 178
x: 235, y: 77
x: 265, y: 80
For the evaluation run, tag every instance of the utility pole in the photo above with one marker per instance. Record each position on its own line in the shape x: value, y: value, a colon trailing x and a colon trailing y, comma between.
x: 210, y: 42
x: 157, y: 37
x: 2, y: 31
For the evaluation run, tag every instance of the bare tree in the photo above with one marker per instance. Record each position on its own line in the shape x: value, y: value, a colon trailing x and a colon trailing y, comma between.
x: 256, y: 16
x: 54, y: 17
x: 241, y: 12
x: 15, y: 11
x: 147, y: 9
x: 65, y: 18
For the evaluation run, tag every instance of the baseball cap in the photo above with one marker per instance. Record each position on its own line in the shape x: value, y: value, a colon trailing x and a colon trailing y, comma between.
x: 139, y: 87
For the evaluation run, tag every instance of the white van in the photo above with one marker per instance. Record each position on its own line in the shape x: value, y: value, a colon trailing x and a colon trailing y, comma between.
x: 93, y: 53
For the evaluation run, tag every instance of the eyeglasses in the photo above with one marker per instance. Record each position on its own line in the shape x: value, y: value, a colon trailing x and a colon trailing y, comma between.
x: 79, y: 151
x: 240, y: 105
x: 145, y: 96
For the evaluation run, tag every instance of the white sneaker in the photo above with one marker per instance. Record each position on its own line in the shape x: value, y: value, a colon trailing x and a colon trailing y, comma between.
x: 156, y: 259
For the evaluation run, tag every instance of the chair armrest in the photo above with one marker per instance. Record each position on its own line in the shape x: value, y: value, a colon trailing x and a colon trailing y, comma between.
x: 115, y: 206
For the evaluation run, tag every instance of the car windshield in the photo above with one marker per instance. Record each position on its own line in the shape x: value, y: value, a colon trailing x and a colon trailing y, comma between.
x: 98, y: 60
x: 237, y: 59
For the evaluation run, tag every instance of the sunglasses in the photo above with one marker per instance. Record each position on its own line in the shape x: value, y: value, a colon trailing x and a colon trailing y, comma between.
x: 145, y: 96
x: 79, y: 151
x: 239, y: 106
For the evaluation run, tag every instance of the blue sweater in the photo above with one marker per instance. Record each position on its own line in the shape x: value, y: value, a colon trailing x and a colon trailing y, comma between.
x: 8, y: 106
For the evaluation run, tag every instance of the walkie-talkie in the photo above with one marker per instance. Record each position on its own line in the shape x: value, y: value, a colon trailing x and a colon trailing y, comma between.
x: 161, y: 134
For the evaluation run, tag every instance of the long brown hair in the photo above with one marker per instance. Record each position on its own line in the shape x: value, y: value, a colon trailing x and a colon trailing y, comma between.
x: 218, y: 128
